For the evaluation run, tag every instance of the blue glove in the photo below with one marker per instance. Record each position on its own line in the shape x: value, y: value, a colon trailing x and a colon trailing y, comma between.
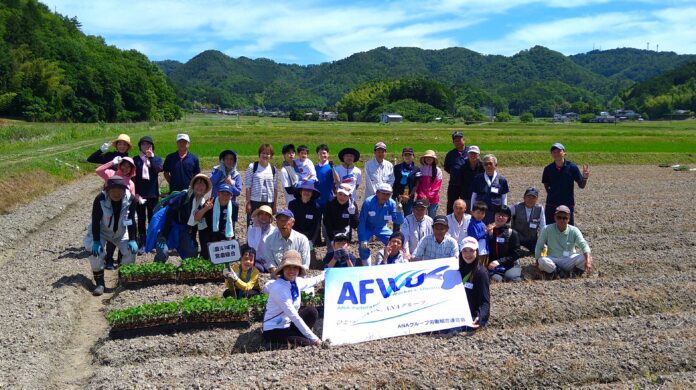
x: 133, y: 246
x: 96, y: 248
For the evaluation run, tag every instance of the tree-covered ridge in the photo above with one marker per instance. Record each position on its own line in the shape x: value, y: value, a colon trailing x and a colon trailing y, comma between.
x: 628, y: 63
x: 51, y: 71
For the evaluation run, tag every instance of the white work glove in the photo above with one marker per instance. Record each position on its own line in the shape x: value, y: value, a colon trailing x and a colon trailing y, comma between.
x: 142, y: 201
x: 116, y: 160
x: 351, y: 208
x: 363, y: 245
x: 105, y: 147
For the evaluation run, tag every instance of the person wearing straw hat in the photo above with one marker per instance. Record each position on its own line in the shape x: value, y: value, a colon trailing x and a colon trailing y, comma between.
x: 307, y: 211
x: 347, y: 172
x: 376, y: 211
x: 181, y: 166
x: 429, y: 182
x: 179, y: 226
x: 113, y: 211
x: 283, y: 240
x: 285, y: 321
x: 341, y: 215
x: 378, y: 170
x: 217, y: 213
x: 261, y: 227
x: 122, y: 146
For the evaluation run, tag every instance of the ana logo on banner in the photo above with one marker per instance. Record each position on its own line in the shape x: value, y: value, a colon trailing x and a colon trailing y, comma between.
x: 224, y: 251
x: 368, y: 303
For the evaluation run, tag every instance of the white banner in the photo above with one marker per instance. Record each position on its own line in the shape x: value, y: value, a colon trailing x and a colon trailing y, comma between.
x: 224, y: 251
x: 369, y: 303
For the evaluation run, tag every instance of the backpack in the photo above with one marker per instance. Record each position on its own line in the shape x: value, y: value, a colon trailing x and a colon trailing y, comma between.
x: 172, y: 198
x: 256, y: 166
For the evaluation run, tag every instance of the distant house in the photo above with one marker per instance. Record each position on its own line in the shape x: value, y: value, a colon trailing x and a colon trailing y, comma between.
x: 388, y: 118
x: 681, y: 114
x: 573, y: 116
x: 560, y: 118
x: 623, y: 115
x: 328, y: 116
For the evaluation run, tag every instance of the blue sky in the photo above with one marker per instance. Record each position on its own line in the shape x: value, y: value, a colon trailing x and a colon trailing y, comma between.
x: 311, y: 32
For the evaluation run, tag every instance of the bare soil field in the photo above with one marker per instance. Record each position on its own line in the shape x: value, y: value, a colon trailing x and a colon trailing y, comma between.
x: 630, y: 325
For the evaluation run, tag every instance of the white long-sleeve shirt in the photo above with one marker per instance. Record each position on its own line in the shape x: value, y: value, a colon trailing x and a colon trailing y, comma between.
x: 376, y: 173
x: 281, y: 309
x: 414, y: 230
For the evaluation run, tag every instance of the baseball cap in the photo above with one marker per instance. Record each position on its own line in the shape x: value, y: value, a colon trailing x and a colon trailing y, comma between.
x: 183, y: 136
x: 224, y: 187
x: 345, y: 190
x: 532, y: 191
x: 383, y: 187
x: 421, y: 203
x: 469, y: 242
x: 474, y: 149
x: 285, y: 212
x: 116, y: 181
x: 340, y: 237
x: 440, y: 220
x: 380, y: 145
x: 407, y: 150
x: 562, y: 209
x: 557, y: 145
x: 457, y: 134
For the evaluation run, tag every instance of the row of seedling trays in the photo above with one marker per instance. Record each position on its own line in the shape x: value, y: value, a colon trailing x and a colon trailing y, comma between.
x: 193, y: 270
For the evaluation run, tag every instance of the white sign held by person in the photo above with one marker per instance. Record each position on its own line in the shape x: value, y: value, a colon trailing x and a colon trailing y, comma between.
x: 369, y: 303
x: 224, y: 251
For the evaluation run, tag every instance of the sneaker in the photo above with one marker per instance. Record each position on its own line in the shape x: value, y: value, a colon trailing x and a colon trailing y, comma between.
x: 141, y: 251
x: 99, y: 290
x: 577, y: 272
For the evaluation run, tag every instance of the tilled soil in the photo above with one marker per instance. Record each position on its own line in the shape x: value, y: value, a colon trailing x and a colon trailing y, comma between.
x: 632, y: 324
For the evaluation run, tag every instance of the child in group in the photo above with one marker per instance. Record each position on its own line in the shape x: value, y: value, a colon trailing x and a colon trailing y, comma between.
x: 289, y: 176
x: 347, y: 172
x: 476, y: 283
x: 216, y: 217
x: 429, y: 182
x: 242, y: 278
x: 227, y: 173
x: 477, y: 230
x: 393, y: 252
x: 303, y: 165
x: 340, y: 256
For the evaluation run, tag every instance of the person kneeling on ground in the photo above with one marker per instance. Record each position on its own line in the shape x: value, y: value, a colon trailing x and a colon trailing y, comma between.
x: 113, y: 211
x: 438, y: 245
x: 561, y: 240
x: 393, y: 252
x: 284, y: 321
x: 217, y: 214
x: 504, y: 244
x: 261, y: 227
x: 340, y: 256
x: 242, y: 278
x: 476, y: 283
x: 528, y: 218
x: 375, y: 212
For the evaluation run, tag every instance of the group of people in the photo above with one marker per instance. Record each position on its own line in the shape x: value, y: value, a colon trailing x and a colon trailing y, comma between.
x: 399, y: 209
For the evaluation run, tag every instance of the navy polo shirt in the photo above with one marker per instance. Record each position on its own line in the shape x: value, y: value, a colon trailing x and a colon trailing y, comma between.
x: 493, y: 198
x: 182, y: 170
x: 559, y: 183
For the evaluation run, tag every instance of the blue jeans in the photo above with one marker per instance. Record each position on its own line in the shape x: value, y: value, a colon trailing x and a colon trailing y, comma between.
x: 432, y: 210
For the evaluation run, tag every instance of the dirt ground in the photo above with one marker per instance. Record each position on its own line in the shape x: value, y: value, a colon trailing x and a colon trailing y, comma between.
x: 631, y: 325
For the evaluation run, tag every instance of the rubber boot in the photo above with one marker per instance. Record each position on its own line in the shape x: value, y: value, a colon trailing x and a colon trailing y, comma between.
x: 143, y: 242
x: 99, y: 281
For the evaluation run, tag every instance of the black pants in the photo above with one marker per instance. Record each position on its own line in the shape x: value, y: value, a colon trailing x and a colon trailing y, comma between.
x: 145, y: 212
x: 292, y: 334
x: 529, y: 244
x: 453, y: 193
x: 207, y: 236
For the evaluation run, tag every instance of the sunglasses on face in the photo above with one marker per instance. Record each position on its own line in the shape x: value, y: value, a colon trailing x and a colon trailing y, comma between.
x: 562, y: 217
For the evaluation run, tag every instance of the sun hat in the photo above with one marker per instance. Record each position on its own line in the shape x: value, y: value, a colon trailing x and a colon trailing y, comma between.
x: 147, y: 139
x: 428, y: 153
x: 206, y: 180
x: 291, y: 257
x: 381, y: 145
x: 227, y: 152
x: 469, y: 242
x: 307, y: 185
x: 383, y: 187
x: 352, y: 151
x: 183, y: 136
x: 562, y: 209
x: 122, y: 137
x: 557, y: 145
x: 532, y: 191
x: 116, y: 182
x: 474, y: 149
x: 263, y: 209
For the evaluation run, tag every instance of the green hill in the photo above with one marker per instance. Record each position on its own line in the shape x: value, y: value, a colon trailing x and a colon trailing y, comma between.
x: 632, y: 64
x: 51, y: 71
x: 660, y: 96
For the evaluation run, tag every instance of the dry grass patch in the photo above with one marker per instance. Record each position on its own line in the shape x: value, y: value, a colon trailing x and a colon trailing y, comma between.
x: 18, y: 189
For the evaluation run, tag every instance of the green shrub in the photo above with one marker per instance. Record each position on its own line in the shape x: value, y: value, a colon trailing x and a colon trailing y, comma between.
x: 141, y: 313
x: 200, y: 265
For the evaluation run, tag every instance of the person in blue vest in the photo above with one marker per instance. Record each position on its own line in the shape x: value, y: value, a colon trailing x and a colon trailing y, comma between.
x: 559, y: 180
x: 327, y: 178
x: 376, y: 211
x: 181, y: 166
x: 490, y: 187
x: 147, y: 169
x: 227, y: 173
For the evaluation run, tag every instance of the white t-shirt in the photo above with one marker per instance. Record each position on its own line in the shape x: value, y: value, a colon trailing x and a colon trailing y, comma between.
x: 351, y: 176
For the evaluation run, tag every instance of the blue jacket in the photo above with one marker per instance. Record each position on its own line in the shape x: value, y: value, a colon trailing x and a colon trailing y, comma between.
x: 374, y: 217
x: 147, y: 188
x: 325, y: 183
x: 217, y: 177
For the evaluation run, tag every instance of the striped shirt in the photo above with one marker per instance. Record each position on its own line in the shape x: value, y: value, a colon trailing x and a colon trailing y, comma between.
x: 262, y: 183
x: 429, y: 249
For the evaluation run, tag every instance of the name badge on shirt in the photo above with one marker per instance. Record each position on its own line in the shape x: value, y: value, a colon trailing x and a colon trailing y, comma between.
x: 500, y: 240
x: 371, y: 213
x: 468, y: 285
x: 345, y: 215
x: 566, y: 253
x: 387, y: 217
x: 127, y: 222
x: 309, y: 216
x: 494, y: 190
x: 532, y: 226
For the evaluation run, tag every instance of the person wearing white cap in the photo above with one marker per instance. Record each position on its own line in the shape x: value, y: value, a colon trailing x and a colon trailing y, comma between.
x: 341, y: 214
x: 378, y: 170
x: 375, y: 212
x: 559, y: 180
x: 476, y: 282
x: 562, y: 239
x: 181, y: 166
x: 467, y: 172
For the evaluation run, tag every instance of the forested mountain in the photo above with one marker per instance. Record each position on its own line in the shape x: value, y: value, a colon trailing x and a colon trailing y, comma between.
x: 660, y: 96
x: 538, y: 80
x: 51, y: 71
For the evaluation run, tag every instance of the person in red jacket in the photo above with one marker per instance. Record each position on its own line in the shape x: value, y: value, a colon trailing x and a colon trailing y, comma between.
x: 429, y: 182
